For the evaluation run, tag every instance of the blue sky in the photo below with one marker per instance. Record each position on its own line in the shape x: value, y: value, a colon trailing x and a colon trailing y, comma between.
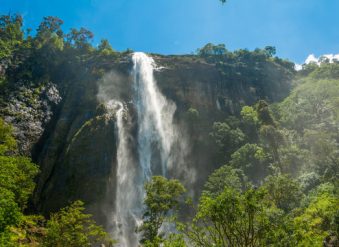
x: 296, y: 27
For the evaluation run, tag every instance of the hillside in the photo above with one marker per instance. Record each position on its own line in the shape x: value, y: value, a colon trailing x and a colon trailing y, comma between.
x: 239, y: 125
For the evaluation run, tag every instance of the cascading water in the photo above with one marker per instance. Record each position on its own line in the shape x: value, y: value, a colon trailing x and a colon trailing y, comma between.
x: 155, y: 139
x: 125, y: 217
x: 155, y: 119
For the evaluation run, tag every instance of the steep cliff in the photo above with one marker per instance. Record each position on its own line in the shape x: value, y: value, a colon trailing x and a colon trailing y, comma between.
x: 71, y: 135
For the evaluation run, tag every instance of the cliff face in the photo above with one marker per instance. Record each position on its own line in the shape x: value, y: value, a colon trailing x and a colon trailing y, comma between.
x: 191, y: 81
x: 73, y: 137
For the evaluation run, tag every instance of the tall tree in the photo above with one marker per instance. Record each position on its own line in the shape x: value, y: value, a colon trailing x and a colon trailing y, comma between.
x: 162, y: 196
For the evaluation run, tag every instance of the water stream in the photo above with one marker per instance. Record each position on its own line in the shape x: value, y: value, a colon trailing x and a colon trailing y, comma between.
x: 154, y: 143
x: 155, y: 119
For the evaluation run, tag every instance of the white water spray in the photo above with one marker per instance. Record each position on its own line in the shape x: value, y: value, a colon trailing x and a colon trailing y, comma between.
x: 155, y: 119
x: 125, y: 217
x: 155, y: 139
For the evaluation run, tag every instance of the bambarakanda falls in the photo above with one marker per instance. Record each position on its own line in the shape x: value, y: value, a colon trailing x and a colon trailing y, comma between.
x: 216, y: 148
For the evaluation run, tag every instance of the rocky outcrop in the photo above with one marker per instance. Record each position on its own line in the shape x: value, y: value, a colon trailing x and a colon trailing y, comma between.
x: 29, y: 109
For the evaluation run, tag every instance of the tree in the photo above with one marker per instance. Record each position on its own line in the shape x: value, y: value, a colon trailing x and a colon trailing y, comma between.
x: 16, y: 185
x: 10, y: 28
x: 284, y: 191
x: 264, y: 115
x: 162, y: 196
x: 11, y: 40
x: 211, y: 49
x: 50, y: 37
x: 80, y: 39
x: 293, y: 159
x: 71, y: 227
x: 250, y: 122
x: 7, y: 141
x: 249, y: 115
x: 30, y: 231
x: 175, y: 240
x: 105, y: 47
x: 48, y: 26
x: 10, y: 213
x: 17, y: 175
x: 309, y: 181
x: 252, y: 160
x: 319, y: 219
x: 16, y: 172
x: 270, y: 51
x: 225, y: 177
x: 230, y: 219
x: 227, y: 139
x: 273, y: 140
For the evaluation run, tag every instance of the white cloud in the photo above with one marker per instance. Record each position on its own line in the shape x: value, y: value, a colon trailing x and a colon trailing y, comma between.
x: 298, y: 67
x: 312, y: 59
x: 317, y: 60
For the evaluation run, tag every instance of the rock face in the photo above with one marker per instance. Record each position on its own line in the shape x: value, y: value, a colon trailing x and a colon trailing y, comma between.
x: 73, y: 139
x: 29, y: 109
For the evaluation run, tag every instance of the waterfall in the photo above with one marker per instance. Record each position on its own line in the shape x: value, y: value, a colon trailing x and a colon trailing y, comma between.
x: 155, y: 119
x: 154, y: 142
x: 125, y: 217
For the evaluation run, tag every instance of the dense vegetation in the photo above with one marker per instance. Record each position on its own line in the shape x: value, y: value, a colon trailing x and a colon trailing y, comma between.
x: 278, y: 176
x: 279, y: 186
x: 68, y: 227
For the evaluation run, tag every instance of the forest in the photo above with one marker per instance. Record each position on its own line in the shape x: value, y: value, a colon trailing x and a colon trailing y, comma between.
x: 269, y: 169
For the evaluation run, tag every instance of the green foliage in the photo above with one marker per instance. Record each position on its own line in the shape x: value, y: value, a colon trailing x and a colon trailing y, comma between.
x: 175, y: 240
x: 252, y: 160
x: 49, y: 31
x: 7, y: 141
x: 318, y: 219
x: 250, y: 123
x: 227, y: 139
x: 10, y: 26
x: 225, y: 176
x: 309, y: 181
x: 283, y: 191
x: 326, y: 70
x: 270, y: 51
x: 11, y: 37
x: 10, y: 213
x: 264, y: 115
x: 249, y: 115
x: 312, y: 105
x: 16, y: 185
x: 231, y: 219
x: 71, y: 227
x: 292, y: 159
x: 273, y: 139
x: 162, y: 196
x: 287, y: 163
x: 105, y: 48
x: 29, y: 232
x: 80, y: 39
x: 292, y: 156
x: 210, y: 49
x: 16, y: 175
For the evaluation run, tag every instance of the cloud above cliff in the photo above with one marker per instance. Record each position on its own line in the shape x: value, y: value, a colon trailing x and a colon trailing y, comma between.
x: 318, y: 60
